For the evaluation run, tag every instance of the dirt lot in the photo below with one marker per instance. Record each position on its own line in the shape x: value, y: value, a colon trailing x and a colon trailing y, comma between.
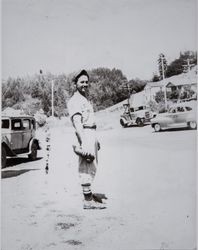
x: 149, y: 178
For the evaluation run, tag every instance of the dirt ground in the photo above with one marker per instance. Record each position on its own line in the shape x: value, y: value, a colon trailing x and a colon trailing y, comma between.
x: 149, y: 179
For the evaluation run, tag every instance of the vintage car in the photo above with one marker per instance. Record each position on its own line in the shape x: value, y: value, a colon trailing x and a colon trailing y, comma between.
x: 136, y: 116
x: 178, y: 116
x: 18, y: 137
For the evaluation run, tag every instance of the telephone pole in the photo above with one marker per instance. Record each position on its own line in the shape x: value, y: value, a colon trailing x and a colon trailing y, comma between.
x: 188, y: 66
x: 163, y: 77
x: 52, y: 90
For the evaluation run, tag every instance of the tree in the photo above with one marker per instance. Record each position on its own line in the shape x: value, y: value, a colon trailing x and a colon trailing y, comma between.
x: 46, y: 101
x: 159, y: 96
x: 59, y: 102
x: 137, y: 85
x: 178, y: 66
x: 107, y: 87
x: 12, y: 92
x: 36, y: 91
x: 155, y: 78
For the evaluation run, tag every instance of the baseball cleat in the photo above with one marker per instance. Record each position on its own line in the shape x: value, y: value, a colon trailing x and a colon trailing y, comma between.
x: 93, y: 205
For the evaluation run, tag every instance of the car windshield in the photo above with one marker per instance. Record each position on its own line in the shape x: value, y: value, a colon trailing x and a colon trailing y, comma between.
x: 172, y: 110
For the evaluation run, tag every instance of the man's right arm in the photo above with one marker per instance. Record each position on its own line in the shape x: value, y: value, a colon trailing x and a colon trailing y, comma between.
x: 76, y: 119
x: 82, y: 137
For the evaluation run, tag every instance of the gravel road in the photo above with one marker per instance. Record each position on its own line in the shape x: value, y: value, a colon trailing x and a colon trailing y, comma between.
x: 149, y: 178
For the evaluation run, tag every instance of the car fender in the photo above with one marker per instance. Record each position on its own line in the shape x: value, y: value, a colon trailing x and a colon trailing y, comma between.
x: 34, y: 140
x: 9, y: 151
x: 191, y: 117
x: 124, y: 119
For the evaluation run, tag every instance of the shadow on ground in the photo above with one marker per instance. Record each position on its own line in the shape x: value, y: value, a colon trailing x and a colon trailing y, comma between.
x: 16, y: 161
x: 173, y: 130
x: 14, y: 173
x: 136, y: 126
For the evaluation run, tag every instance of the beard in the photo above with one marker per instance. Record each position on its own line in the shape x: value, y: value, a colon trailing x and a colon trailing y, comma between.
x: 83, y: 91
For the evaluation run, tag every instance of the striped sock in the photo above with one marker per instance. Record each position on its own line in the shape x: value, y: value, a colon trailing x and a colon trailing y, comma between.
x: 87, y: 191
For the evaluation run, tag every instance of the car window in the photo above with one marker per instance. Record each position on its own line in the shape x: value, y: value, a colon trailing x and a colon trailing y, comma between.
x: 132, y: 109
x: 180, y: 109
x: 26, y: 124
x: 5, y: 123
x: 33, y: 124
x: 173, y: 111
x: 17, y: 124
x: 188, y: 108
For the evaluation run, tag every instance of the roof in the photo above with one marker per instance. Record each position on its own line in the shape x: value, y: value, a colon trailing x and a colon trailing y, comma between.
x: 17, y: 116
x: 177, y: 80
x: 12, y: 112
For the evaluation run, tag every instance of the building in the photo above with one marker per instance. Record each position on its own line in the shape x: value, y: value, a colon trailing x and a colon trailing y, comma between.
x: 179, y: 82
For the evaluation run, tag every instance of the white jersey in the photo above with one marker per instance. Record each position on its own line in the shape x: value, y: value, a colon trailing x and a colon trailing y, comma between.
x: 78, y: 104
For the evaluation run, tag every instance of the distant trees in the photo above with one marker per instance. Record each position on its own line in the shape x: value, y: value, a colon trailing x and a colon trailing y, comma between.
x: 159, y: 96
x: 107, y: 87
x: 137, y: 85
x: 60, y: 101
x: 155, y: 78
x: 11, y: 92
x: 182, y: 64
x: 179, y: 65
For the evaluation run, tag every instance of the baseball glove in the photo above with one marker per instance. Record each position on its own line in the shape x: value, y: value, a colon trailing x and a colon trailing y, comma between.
x: 88, y: 157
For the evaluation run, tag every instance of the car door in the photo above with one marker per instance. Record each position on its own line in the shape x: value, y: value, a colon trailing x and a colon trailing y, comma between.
x: 16, y: 134
x: 171, y: 118
x: 181, y: 116
x: 27, y: 135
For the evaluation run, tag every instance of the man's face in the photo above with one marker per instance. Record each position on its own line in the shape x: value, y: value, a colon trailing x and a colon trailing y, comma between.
x: 82, y: 85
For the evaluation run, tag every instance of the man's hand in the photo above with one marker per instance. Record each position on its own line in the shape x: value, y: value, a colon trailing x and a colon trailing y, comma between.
x: 87, y: 156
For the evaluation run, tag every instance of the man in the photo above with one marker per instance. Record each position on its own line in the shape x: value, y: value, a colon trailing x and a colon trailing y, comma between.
x: 82, y: 117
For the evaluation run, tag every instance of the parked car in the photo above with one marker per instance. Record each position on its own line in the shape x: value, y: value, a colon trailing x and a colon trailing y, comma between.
x: 177, y: 116
x: 136, y: 116
x: 18, y: 137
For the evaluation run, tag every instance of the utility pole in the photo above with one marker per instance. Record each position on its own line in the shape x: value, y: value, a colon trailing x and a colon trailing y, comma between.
x: 163, y: 77
x: 52, y: 89
x: 129, y: 93
x: 128, y: 99
x: 188, y: 66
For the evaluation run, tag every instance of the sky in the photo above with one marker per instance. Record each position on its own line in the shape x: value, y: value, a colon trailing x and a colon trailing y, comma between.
x: 64, y: 36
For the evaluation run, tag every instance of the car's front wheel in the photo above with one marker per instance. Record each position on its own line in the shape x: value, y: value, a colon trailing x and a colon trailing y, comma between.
x: 33, y: 155
x: 140, y: 122
x: 157, y: 127
x: 193, y: 125
x: 3, y: 157
x: 123, y: 123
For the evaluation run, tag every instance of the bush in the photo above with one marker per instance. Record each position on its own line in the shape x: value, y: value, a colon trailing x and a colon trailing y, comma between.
x: 40, y: 118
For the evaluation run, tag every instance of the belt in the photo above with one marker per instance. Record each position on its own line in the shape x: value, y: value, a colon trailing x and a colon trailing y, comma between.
x: 90, y: 127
